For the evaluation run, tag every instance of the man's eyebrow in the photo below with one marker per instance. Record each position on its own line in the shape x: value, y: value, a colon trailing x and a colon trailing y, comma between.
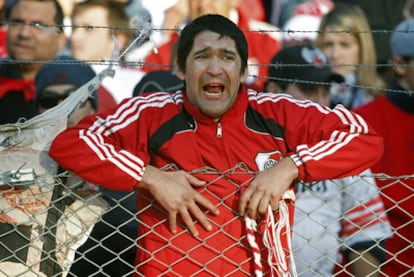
x: 228, y: 51
x: 225, y: 50
x: 202, y: 50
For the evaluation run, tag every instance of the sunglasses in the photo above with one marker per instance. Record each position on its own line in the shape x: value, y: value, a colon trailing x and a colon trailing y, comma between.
x: 48, y: 98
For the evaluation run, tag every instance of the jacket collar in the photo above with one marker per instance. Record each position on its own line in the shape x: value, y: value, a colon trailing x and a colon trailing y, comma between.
x: 236, y: 112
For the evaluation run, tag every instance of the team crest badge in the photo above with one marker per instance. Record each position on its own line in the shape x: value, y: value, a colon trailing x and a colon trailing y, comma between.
x: 267, y: 160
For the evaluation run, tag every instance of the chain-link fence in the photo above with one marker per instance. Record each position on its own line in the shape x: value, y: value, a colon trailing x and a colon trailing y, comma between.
x: 47, y: 228
x: 53, y: 224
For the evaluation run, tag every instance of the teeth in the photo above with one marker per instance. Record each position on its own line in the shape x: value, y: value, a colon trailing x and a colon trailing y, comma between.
x: 212, y: 93
x: 213, y: 89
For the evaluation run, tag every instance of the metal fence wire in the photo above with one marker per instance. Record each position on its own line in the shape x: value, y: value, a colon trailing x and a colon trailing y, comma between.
x: 58, y: 225
x: 54, y: 224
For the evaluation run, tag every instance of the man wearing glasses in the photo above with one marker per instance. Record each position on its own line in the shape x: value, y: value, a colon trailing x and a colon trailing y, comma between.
x: 34, y: 36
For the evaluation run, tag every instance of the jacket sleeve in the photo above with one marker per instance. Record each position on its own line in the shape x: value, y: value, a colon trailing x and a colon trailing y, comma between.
x: 106, y: 149
x: 329, y: 143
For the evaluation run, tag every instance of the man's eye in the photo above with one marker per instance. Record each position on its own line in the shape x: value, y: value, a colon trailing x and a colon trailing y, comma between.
x: 200, y: 57
x: 37, y: 24
x: 44, y: 27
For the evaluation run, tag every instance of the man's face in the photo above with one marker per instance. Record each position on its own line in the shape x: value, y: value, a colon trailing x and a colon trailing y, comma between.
x: 212, y: 74
x: 53, y: 95
x: 91, y: 43
x: 405, y: 70
x: 28, y: 38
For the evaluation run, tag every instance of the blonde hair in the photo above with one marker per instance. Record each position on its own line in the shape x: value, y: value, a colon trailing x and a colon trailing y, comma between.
x: 351, y: 18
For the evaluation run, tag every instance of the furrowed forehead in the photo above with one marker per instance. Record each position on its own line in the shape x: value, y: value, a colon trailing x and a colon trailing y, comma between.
x: 212, y: 40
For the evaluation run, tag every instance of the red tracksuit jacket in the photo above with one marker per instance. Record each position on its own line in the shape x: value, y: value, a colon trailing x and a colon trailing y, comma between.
x: 163, y: 128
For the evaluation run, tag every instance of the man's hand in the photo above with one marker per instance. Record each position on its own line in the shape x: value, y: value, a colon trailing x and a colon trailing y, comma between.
x: 267, y: 188
x: 173, y: 190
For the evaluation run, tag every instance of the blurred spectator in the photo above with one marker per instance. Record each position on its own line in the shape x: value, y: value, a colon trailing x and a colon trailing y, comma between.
x: 50, y: 207
x: 158, y: 80
x: 271, y: 38
x: 331, y: 216
x: 158, y: 9
x: 408, y: 9
x: 98, y: 25
x: 135, y: 8
x: 57, y: 80
x: 302, y: 70
x: 346, y: 39
x: 253, y: 9
x: 32, y: 38
x: 111, y: 242
x: 67, y: 7
x: 167, y: 16
x: 112, y: 239
x: 54, y: 82
x: 383, y: 16
x: 392, y: 116
x: 302, y: 27
x: 279, y: 11
x: 3, y: 30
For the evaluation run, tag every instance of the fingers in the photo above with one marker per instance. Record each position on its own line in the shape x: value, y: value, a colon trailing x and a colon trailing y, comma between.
x: 187, y: 203
x: 258, y: 203
x: 206, y: 204
x: 187, y: 215
x: 200, y: 217
x: 172, y: 220
x: 194, y: 180
x: 244, y: 200
x: 274, y: 203
x: 255, y: 201
x: 188, y: 221
x: 190, y: 212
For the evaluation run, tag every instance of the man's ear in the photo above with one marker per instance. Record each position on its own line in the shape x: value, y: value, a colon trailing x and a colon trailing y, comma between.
x: 245, y: 74
x: 178, y: 72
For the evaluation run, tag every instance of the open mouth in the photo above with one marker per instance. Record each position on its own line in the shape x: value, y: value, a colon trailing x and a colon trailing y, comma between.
x: 213, y: 89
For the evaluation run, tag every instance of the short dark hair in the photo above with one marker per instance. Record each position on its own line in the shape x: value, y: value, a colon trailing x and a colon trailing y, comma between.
x: 214, y: 23
x: 58, y: 16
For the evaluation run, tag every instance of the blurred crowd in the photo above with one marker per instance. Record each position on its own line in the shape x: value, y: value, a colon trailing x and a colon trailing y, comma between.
x: 367, y: 44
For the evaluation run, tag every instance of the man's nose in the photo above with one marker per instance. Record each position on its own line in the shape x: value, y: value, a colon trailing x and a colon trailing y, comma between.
x: 215, y: 66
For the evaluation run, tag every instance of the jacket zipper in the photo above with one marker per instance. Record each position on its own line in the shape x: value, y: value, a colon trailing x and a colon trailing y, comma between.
x: 219, y: 130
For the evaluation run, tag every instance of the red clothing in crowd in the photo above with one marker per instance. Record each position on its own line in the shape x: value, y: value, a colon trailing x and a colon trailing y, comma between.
x: 262, y: 47
x: 3, y: 45
x: 393, y: 117
x: 105, y: 100
x: 16, y: 95
x: 163, y: 128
